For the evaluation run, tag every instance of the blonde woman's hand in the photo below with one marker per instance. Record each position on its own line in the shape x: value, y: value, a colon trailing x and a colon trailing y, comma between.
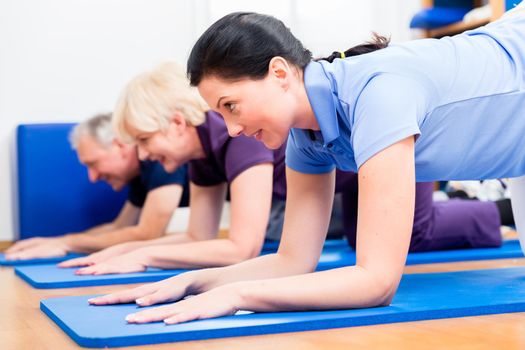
x: 100, y: 256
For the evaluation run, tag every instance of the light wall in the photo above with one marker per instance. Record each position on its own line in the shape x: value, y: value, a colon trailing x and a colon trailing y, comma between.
x: 64, y: 60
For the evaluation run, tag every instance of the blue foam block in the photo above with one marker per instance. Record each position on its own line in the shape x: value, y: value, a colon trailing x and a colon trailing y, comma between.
x: 55, y: 260
x: 55, y: 195
x: 51, y: 276
x: 419, y: 297
x: 509, y: 249
x: 435, y: 17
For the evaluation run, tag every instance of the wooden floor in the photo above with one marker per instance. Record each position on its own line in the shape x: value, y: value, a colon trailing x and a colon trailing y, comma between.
x: 24, y: 326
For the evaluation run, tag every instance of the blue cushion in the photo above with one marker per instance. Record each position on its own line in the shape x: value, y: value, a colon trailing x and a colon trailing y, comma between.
x: 436, y: 17
x: 509, y: 4
x: 419, y: 297
x: 54, y: 192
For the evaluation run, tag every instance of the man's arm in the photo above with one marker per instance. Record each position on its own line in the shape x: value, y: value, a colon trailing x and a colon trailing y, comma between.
x: 154, y: 218
x: 158, y: 209
x: 128, y: 216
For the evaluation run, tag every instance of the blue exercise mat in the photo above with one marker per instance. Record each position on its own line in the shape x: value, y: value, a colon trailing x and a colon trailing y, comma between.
x: 55, y: 260
x: 51, y: 276
x: 419, y: 297
x: 331, y: 259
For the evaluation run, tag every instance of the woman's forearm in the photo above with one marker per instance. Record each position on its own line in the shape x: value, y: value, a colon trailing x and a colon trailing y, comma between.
x: 349, y: 287
x: 262, y: 267
x: 196, y: 254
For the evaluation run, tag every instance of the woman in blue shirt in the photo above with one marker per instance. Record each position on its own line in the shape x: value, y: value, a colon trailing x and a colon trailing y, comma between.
x: 426, y: 110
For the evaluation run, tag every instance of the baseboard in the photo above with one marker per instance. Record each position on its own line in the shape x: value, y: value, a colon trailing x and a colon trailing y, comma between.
x: 4, y: 245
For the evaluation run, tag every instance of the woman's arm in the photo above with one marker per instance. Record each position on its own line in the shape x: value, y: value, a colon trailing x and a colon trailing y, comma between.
x: 385, y: 217
x: 251, y: 196
x: 123, y: 248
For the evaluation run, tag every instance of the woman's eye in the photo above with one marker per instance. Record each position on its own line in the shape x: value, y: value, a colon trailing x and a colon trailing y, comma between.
x: 230, y: 106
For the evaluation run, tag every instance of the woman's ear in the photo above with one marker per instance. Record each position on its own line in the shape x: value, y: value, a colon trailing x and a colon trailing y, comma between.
x: 178, y: 122
x: 279, y: 69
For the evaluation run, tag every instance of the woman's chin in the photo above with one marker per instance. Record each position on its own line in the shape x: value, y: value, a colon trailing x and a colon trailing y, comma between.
x: 273, y: 143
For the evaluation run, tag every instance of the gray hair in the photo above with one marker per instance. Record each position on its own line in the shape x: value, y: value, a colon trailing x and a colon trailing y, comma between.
x: 98, y: 127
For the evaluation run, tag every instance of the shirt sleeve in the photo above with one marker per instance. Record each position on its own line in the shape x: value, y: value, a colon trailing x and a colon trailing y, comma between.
x: 243, y: 153
x: 136, y: 192
x: 159, y: 177
x: 205, y: 172
x: 152, y: 176
x: 237, y: 155
x: 302, y: 157
x: 386, y: 112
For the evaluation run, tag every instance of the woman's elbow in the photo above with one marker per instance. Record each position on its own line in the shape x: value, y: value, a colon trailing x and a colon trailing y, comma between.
x: 246, y: 253
x: 386, y: 290
x: 383, y: 287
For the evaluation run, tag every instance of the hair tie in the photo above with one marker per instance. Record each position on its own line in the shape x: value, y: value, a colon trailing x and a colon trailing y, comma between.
x: 342, y: 54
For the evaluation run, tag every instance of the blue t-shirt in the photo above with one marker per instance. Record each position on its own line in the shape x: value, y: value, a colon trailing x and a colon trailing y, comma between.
x: 152, y: 176
x: 464, y: 96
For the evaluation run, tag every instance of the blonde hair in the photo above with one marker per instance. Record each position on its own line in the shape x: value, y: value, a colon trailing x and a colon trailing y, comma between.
x: 149, y: 101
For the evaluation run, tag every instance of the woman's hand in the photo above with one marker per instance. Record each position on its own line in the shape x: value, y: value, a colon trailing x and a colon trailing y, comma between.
x: 221, y: 301
x: 100, y: 256
x: 127, y: 263
x: 171, y: 289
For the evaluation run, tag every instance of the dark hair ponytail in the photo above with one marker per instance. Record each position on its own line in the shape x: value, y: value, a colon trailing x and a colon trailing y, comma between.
x: 241, y: 45
x: 378, y: 42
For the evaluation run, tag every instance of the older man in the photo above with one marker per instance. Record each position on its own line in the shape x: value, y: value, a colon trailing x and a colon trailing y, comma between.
x: 153, y: 195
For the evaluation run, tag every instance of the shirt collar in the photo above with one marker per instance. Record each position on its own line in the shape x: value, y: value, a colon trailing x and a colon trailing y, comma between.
x: 320, y: 95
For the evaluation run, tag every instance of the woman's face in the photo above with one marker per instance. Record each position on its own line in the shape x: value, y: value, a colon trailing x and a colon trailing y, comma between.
x: 169, y: 147
x: 263, y: 108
